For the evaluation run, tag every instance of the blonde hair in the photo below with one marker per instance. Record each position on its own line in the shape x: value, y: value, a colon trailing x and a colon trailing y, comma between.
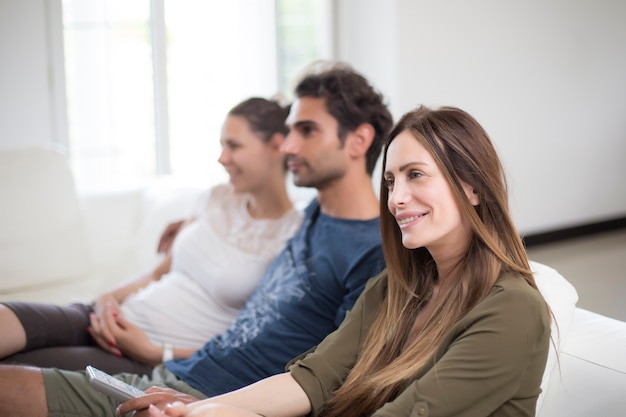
x: 465, y: 154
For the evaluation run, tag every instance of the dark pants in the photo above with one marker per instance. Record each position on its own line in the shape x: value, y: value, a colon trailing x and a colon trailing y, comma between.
x: 57, y: 337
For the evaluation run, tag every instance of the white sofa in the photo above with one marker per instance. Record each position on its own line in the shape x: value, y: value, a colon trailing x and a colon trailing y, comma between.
x: 56, y: 245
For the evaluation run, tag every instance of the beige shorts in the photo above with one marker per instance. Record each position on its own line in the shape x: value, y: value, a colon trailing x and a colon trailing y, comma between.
x: 69, y: 394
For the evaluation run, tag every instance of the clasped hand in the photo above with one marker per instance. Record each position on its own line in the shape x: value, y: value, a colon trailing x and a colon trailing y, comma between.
x: 118, y: 336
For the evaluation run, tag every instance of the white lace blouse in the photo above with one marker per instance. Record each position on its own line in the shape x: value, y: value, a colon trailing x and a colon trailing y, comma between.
x: 216, y: 263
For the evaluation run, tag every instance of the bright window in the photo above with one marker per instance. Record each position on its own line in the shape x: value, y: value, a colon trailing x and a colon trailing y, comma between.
x: 150, y: 81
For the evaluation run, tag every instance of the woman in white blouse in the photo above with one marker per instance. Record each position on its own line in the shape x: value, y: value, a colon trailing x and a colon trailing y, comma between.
x: 206, y: 274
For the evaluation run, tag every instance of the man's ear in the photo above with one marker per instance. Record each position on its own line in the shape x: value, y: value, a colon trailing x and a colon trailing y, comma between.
x: 360, y: 139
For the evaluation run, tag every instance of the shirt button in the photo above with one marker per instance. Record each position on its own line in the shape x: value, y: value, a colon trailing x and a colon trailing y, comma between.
x: 421, y: 411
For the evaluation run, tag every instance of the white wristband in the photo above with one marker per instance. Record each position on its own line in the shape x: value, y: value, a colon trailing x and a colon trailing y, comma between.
x: 168, y: 352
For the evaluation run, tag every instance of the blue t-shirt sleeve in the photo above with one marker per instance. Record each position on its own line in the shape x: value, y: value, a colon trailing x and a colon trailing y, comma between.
x: 368, y: 266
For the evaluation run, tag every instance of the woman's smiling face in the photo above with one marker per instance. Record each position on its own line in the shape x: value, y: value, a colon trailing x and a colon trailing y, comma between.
x: 421, y: 199
x: 250, y: 162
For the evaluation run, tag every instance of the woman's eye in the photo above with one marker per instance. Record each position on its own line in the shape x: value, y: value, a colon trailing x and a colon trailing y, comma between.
x: 388, y: 182
x: 230, y: 145
x: 415, y: 174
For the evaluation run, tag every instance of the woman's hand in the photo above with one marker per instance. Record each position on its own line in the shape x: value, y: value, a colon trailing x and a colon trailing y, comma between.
x: 277, y: 395
x: 118, y: 336
x: 106, y: 309
x: 155, y: 400
x: 176, y: 409
x: 134, y: 342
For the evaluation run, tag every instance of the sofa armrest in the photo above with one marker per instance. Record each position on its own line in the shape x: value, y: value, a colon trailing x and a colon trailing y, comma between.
x: 591, y: 379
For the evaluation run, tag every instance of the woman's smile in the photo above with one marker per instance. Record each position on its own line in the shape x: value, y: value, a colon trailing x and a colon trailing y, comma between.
x: 407, y: 220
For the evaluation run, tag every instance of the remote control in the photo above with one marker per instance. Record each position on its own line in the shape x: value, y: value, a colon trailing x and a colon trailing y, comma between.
x: 111, y: 386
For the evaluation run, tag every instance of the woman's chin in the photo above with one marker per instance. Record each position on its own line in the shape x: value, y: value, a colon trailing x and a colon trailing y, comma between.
x: 410, y: 243
x: 236, y: 184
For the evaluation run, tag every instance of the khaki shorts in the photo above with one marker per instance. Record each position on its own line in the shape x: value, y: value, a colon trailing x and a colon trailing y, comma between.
x: 69, y: 394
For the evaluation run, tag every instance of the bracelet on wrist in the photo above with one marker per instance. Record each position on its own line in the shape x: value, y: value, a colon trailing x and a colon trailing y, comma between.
x: 168, y: 352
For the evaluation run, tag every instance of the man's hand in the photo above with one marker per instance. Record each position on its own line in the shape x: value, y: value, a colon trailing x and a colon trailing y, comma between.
x: 167, y: 238
x: 159, y: 397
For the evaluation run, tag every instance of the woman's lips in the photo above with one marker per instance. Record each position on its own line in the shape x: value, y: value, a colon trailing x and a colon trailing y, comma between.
x: 406, y: 220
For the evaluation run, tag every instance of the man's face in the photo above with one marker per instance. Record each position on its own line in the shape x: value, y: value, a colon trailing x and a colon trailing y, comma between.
x: 315, y: 155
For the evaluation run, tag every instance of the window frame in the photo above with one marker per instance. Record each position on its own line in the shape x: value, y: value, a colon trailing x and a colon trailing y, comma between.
x: 58, y: 83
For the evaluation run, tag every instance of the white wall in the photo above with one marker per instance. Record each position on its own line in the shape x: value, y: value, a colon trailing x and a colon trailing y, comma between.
x: 26, y: 79
x: 546, y: 78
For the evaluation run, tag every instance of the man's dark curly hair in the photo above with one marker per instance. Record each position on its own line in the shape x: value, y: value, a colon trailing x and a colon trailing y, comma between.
x: 351, y: 100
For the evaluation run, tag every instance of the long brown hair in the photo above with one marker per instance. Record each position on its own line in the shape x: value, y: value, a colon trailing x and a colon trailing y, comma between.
x: 465, y: 154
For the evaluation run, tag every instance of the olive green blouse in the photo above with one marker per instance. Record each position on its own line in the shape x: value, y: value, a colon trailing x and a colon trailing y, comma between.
x: 489, y: 364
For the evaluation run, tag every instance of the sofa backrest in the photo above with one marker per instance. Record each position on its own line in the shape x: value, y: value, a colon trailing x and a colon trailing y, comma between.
x: 39, y: 209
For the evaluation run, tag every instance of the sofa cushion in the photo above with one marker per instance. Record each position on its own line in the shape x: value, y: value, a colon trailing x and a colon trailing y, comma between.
x: 591, y: 377
x: 561, y: 297
x: 164, y: 201
x: 42, y: 240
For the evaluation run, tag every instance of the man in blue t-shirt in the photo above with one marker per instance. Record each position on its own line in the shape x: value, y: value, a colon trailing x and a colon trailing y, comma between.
x: 337, y: 126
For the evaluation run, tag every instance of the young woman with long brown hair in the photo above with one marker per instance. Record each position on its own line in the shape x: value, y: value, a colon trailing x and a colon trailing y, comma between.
x: 455, y: 326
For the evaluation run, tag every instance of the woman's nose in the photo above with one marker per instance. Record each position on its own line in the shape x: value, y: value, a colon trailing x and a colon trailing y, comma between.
x: 223, y: 158
x: 399, y: 195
